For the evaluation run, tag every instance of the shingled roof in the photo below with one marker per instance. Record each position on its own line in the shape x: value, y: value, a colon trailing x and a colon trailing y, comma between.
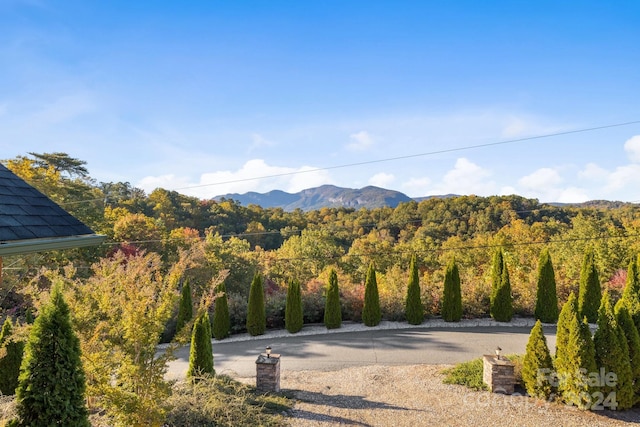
x: 31, y: 222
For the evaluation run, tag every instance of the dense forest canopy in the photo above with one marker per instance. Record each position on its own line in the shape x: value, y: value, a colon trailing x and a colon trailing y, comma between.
x: 226, y: 236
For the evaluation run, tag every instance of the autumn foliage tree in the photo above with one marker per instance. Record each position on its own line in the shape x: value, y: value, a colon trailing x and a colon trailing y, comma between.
x: 546, y: 296
x: 371, y: 313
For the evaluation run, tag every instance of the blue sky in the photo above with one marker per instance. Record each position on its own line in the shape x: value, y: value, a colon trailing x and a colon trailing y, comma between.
x: 203, y: 96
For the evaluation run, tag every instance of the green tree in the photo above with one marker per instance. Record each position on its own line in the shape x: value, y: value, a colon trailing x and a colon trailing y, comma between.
x: 590, y: 291
x: 10, y: 362
x: 537, y: 366
x: 633, y: 342
x: 332, y: 308
x: 496, y: 273
x: 612, y: 355
x: 452, y: 297
x: 631, y: 293
x: 502, y: 306
x: 293, y: 319
x: 413, y: 309
x: 51, y: 388
x: 185, y: 310
x: 201, y: 351
x: 221, y: 318
x: 546, y: 297
x: 256, y: 316
x: 371, y: 313
x: 575, y: 356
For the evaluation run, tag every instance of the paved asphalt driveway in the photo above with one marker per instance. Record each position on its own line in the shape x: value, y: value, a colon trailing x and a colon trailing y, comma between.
x: 365, y: 347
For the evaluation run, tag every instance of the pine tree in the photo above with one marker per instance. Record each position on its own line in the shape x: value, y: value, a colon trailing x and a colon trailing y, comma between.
x: 452, y: 297
x: 371, y: 314
x: 631, y: 293
x: 293, y: 318
x: 546, y: 297
x: 332, y: 309
x: 496, y: 274
x: 10, y: 362
x: 414, y: 310
x: 221, y: 318
x: 256, y: 316
x: 502, y: 307
x: 575, y: 356
x: 612, y: 355
x: 633, y: 343
x: 52, y: 383
x: 185, y: 310
x: 590, y: 291
x: 201, y: 352
x: 537, y: 366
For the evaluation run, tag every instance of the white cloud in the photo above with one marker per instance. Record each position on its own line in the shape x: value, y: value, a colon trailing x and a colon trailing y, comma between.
x: 545, y: 185
x: 593, y: 172
x: 360, y: 141
x: 417, y: 187
x: 382, y: 179
x: 623, y: 176
x: 541, y: 179
x: 259, y: 141
x: 632, y: 147
x: 466, y: 177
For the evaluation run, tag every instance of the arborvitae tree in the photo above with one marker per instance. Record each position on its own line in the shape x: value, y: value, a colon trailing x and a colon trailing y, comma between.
x: 293, y: 319
x: 221, y: 318
x: 612, y: 355
x: 537, y: 366
x: 10, y: 362
x: 332, y: 309
x: 590, y: 291
x: 631, y: 293
x: 52, y: 383
x: 546, y: 297
x: 413, y: 308
x: 502, y: 307
x: 201, y: 352
x: 185, y: 310
x: 371, y: 314
x: 575, y: 357
x: 256, y: 316
x: 452, y: 297
x: 633, y: 343
x: 496, y: 274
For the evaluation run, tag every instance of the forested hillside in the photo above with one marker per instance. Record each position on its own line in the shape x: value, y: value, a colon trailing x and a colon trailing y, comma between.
x: 208, y: 237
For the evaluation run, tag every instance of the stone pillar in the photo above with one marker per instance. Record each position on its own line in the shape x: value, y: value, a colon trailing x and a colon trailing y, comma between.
x: 498, y: 374
x: 268, y: 373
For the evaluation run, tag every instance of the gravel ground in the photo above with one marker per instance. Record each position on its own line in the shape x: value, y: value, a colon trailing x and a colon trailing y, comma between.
x: 416, y: 396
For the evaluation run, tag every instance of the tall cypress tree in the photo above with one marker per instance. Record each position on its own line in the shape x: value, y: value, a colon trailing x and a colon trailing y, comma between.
x: 221, y: 319
x: 452, y: 296
x: 612, y: 355
x: 413, y: 308
x: 633, y: 343
x: 590, y: 291
x: 52, y: 383
x: 631, y: 293
x: 502, y: 307
x: 371, y: 314
x: 537, y: 366
x: 332, y: 308
x: 185, y: 310
x: 546, y: 296
x: 496, y: 274
x: 293, y: 318
x: 256, y: 315
x: 201, y: 351
x: 10, y: 362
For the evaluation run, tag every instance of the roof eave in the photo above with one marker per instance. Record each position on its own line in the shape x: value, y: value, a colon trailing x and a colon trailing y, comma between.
x: 19, y: 247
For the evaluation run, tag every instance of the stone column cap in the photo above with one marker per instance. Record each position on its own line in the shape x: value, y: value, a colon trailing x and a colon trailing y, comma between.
x: 272, y: 360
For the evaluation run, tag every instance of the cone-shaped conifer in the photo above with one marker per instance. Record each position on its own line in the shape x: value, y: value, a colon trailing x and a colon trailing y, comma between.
x: 502, y: 308
x: 631, y: 293
x: 10, y: 362
x: 51, y: 385
x: 185, y: 310
x: 546, y: 297
x: 221, y: 319
x: 256, y: 315
x: 496, y: 274
x: 413, y: 308
x: 633, y: 343
x: 371, y: 314
x: 332, y: 308
x: 201, y: 352
x: 452, y: 297
x: 590, y: 291
x: 537, y: 366
x: 293, y: 319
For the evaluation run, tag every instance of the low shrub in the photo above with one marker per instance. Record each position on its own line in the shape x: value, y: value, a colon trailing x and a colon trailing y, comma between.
x: 469, y: 374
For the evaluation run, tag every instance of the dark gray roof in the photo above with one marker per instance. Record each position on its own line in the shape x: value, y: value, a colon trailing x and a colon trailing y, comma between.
x: 26, y: 213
